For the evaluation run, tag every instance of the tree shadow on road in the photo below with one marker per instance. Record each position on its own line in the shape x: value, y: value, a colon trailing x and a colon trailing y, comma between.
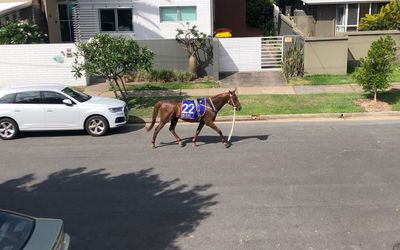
x: 130, y: 211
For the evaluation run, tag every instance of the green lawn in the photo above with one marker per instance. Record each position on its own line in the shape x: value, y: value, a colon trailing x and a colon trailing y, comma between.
x: 334, y: 79
x: 396, y: 75
x: 322, y: 80
x: 174, y: 85
x: 269, y: 104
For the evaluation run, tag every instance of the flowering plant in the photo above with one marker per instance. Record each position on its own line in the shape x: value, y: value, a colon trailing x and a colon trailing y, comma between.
x: 20, y: 32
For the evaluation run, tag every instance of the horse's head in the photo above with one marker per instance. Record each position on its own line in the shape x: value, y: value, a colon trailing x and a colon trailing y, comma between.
x: 234, y: 100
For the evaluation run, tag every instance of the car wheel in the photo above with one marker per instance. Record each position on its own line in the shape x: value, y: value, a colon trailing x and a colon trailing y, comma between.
x: 96, y: 125
x: 8, y: 129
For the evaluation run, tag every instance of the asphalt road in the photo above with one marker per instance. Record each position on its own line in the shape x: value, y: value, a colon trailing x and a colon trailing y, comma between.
x: 293, y: 185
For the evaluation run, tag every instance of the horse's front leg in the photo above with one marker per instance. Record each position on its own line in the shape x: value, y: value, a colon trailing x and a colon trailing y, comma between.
x: 196, y: 134
x: 224, y: 141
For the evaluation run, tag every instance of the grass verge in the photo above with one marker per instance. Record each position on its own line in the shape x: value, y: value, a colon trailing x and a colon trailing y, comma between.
x: 174, y: 85
x: 334, y: 79
x: 269, y: 104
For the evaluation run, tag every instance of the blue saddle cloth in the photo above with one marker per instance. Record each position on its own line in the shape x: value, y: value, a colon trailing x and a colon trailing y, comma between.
x: 193, y: 109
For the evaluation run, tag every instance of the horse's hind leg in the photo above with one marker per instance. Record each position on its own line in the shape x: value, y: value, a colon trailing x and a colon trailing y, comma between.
x: 196, y: 134
x: 156, y: 131
x: 224, y: 141
x: 174, y: 121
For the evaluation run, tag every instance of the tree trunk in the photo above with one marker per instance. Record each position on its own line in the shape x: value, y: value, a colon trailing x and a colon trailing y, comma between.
x: 123, y: 95
x: 112, y: 87
x: 192, y: 65
x: 123, y: 85
x: 375, y: 92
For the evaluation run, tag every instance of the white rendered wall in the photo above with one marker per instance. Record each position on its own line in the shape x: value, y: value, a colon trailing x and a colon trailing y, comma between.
x: 239, y: 54
x: 146, y: 17
x: 37, y: 64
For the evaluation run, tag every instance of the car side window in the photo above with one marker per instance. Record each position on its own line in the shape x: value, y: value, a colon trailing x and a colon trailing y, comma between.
x: 29, y: 97
x: 7, y: 99
x: 50, y: 97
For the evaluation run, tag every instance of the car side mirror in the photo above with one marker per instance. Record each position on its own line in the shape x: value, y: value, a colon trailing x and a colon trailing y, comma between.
x: 67, y: 102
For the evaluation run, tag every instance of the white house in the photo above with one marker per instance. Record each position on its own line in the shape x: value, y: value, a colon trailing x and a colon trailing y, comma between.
x: 140, y: 19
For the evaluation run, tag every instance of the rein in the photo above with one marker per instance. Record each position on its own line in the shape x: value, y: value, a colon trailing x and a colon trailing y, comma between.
x: 234, y: 113
x: 234, y: 117
x: 212, y: 104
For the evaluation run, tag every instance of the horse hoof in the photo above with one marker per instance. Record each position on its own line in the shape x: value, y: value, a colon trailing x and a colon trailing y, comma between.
x: 228, y: 144
x: 181, y: 144
x: 194, y: 145
x: 153, y: 146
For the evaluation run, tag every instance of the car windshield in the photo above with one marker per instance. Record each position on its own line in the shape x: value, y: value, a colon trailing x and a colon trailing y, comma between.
x: 15, y: 230
x: 77, y: 95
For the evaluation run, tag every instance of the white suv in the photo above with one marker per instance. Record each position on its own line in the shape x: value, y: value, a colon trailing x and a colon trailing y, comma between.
x: 57, y: 107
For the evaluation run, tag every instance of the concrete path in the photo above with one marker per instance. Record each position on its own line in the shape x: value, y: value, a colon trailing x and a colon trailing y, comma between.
x: 102, y: 89
x: 253, y: 79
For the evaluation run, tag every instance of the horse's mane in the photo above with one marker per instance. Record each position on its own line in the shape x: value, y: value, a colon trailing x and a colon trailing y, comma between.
x: 221, y: 94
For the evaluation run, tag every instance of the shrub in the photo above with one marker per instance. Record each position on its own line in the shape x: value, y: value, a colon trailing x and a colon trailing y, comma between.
x: 377, y: 67
x: 388, y: 18
x: 184, y: 76
x: 141, y: 76
x: 260, y: 14
x: 111, y: 58
x: 20, y: 33
x: 293, y: 62
x: 161, y: 75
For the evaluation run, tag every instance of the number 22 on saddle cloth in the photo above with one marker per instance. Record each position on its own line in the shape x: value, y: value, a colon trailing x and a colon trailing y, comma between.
x: 193, y: 109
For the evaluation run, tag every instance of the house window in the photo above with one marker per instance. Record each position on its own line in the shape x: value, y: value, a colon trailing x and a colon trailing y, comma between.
x: 178, y: 14
x: 116, y: 20
x: 66, y: 22
x: 348, y: 16
x: 376, y: 7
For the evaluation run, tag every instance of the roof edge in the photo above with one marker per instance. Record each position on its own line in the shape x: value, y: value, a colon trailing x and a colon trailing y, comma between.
x: 14, y: 6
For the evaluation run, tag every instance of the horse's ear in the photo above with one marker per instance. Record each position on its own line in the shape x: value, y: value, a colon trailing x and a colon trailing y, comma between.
x: 233, y: 92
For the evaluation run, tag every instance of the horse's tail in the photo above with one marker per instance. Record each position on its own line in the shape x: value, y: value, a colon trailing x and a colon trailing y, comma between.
x: 155, y: 113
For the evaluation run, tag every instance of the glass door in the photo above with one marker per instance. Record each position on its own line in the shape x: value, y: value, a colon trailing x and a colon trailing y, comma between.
x: 65, y: 11
x: 341, y: 18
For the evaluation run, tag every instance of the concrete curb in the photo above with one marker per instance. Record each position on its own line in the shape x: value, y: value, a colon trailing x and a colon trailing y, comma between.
x: 298, y: 117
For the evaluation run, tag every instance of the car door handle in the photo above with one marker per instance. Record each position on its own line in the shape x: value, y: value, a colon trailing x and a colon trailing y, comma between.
x: 17, y: 110
x: 49, y: 110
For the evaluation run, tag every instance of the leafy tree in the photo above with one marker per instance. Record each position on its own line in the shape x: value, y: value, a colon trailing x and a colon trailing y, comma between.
x: 14, y: 32
x: 111, y: 58
x: 193, y: 41
x: 377, y: 66
x: 388, y: 18
x: 260, y: 14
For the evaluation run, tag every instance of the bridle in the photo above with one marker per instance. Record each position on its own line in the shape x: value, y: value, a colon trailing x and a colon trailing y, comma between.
x: 231, y: 100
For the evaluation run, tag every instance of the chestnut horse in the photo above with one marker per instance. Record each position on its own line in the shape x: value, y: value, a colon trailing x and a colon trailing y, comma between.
x: 170, y: 110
